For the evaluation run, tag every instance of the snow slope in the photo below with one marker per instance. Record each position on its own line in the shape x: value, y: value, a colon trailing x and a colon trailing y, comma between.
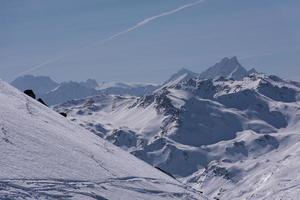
x: 45, y: 156
x: 228, y: 138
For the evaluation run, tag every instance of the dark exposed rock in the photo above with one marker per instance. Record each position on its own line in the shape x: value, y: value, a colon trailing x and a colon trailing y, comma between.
x: 30, y: 93
x: 206, y: 89
x: 277, y: 93
x: 123, y: 138
x: 144, y: 101
x: 164, y: 104
x: 237, y: 148
x: 267, y: 140
x: 63, y: 114
x: 42, y: 102
x: 165, y: 172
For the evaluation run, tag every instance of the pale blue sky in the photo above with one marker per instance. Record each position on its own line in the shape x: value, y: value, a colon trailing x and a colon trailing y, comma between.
x: 264, y: 34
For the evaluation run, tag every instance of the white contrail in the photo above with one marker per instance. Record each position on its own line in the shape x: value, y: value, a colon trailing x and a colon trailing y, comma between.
x: 138, y: 25
x: 146, y: 21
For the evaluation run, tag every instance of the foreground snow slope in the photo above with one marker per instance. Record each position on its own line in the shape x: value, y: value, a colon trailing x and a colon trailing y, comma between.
x: 228, y: 138
x: 44, y: 156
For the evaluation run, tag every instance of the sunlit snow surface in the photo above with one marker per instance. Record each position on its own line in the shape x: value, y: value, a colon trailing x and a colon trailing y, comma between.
x: 45, y: 156
x: 229, y: 139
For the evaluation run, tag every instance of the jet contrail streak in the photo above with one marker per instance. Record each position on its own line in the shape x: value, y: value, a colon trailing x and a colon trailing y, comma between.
x: 138, y: 25
x: 146, y: 21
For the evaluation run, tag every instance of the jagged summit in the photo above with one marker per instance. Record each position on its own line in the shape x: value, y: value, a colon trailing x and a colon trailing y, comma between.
x: 184, y: 70
x: 181, y: 75
x: 229, y: 68
x: 252, y: 71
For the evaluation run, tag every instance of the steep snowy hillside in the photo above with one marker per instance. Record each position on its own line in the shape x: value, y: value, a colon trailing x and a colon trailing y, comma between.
x: 45, y: 156
x: 232, y: 139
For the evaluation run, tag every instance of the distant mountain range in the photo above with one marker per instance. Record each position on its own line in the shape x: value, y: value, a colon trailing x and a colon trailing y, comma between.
x: 228, y: 132
x: 40, y: 84
x: 231, y: 139
x: 55, y: 93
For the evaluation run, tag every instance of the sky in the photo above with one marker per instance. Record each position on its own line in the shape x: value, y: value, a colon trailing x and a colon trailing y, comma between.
x: 79, y: 39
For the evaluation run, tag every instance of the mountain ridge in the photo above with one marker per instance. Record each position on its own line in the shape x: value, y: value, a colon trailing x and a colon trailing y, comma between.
x: 60, y: 92
x: 229, y: 68
x: 202, y: 130
x: 54, y: 93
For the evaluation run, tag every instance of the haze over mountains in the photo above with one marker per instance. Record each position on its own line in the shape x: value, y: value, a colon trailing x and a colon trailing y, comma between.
x: 54, y: 93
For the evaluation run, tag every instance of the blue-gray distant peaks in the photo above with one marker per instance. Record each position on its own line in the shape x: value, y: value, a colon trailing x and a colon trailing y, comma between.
x: 229, y: 68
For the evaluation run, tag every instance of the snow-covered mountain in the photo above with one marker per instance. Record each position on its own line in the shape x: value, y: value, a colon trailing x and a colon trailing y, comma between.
x: 181, y: 75
x: 67, y: 91
x: 133, y: 89
x: 229, y: 68
x: 233, y: 139
x: 90, y: 83
x: 54, y: 93
x: 40, y: 84
x: 45, y: 156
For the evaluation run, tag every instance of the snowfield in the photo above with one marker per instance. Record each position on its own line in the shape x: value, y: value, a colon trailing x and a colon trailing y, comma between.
x: 231, y: 139
x: 45, y: 156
